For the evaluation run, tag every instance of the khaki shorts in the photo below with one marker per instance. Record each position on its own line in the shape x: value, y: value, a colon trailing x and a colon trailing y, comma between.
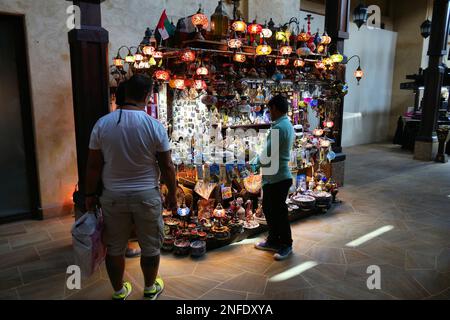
x: 122, y: 211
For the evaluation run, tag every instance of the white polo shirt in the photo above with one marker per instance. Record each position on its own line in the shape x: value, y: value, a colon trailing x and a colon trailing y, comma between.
x: 129, y: 150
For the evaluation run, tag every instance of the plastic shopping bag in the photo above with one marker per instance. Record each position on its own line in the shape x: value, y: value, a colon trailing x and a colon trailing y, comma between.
x: 87, y: 241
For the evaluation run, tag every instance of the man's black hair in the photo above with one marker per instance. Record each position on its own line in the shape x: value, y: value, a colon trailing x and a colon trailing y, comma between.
x: 280, y: 103
x: 120, y: 94
x: 137, y: 87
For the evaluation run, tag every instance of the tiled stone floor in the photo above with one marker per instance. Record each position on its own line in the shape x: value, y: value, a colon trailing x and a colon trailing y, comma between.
x: 384, y: 187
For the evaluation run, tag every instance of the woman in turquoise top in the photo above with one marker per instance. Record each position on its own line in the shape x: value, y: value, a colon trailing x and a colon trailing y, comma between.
x: 277, y: 179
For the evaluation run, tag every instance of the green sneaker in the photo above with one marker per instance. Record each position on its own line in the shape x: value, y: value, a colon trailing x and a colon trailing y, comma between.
x: 125, y: 295
x: 153, y: 295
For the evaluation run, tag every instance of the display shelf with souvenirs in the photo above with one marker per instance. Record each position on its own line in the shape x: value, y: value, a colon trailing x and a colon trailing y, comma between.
x: 212, y: 90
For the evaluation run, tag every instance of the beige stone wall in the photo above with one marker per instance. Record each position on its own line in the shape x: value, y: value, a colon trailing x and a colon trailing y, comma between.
x: 408, y: 17
x: 49, y: 62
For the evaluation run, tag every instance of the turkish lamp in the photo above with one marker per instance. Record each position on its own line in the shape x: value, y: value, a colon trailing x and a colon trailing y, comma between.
x: 359, y: 74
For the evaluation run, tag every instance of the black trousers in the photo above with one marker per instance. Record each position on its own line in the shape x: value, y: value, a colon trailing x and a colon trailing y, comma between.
x: 276, y: 213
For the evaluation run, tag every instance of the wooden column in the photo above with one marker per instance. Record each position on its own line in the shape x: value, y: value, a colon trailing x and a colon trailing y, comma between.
x: 426, y: 142
x: 337, y: 17
x: 90, y: 80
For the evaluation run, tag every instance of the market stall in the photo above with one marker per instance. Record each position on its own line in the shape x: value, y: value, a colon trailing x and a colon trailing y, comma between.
x: 212, y: 90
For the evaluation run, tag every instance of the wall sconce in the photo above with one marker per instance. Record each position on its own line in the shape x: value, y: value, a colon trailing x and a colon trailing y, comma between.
x: 359, y: 73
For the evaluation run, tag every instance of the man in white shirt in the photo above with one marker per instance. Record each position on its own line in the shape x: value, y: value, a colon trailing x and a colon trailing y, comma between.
x: 129, y: 150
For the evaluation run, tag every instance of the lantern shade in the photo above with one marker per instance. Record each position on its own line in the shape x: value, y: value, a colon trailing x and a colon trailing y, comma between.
x: 263, y: 50
x: 321, y: 48
x: 327, y: 61
x: 148, y: 50
x: 202, y: 71
x: 359, y: 74
x: 360, y: 15
x: 303, y: 51
x: 200, y: 84
x: 130, y: 58
x: 328, y: 124
x: 118, y: 61
x: 179, y: 84
x: 254, y: 28
x: 200, y: 20
x: 299, y: 63
x: 219, y: 21
x: 239, y: 57
x: 282, y: 62
x: 303, y: 36
x: 325, y: 143
x: 286, y: 50
x: 188, y: 56
x: 234, y: 43
x: 239, y: 26
x: 320, y: 65
x: 337, y: 58
x: 138, y: 57
x: 162, y: 75
x: 318, y: 132
x: 425, y: 28
x: 266, y: 33
x: 157, y: 55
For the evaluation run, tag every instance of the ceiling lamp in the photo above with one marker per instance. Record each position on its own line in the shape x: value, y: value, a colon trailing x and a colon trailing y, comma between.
x: 199, y: 19
x: 158, y: 55
x: 303, y: 36
x: 148, y: 50
x: 320, y: 65
x: 286, y: 50
x: 326, y: 39
x: 200, y: 85
x: 130, y: 58
x: 188, y: 56
x: 303, y: 50
x: 179, y: 84
x: 360, y: 15
x: 337, y: 58
x: 118, y: 61
x: 254, y: 28
x: 328, y: 124
x: 239, y: 26
x: 266, y: 33
x: 359, y: 74
x: 282, y: 62
x: 202, y: 71
x: 299, y: 63
x: 234, y: 43
x: 425, y: 28
x: 162, y: 75
x: 263, y: 50
x: 239, y: 57
x: 318, y: 132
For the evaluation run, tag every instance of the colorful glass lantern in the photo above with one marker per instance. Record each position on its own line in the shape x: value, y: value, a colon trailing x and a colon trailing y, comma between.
x: 318, y: 132
x: 286, y: 50
x: 179, y: 84
x: 148, y: 50
x: 282, y: 62
x: 239, y: 57
x: 202, y: 71
x: 328, y: 124
x: 162, y: 75
x: 152, y: 61
x: 281, y: 36
x: 359, y: 74
x: 303, y: 51
x: 130, y: 58
x: 325, y: 143
x: 337, y: 58
x: 326, y: 39
x: 158, y: 55
x: 239, y: 26
x: 303, y: 36
x: 254, y: 28
x: 200, y: 84
x: 118, y: 61
x: 263, y: 50
x: 320, y: 65
x: 321, y: 49
x: 200, y: 20
x: 234, y: 43
x: 188, y: 56
x: 299, y: 63
x: 327, y: 61
x: 138, y: 57
x: 266, y: 33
